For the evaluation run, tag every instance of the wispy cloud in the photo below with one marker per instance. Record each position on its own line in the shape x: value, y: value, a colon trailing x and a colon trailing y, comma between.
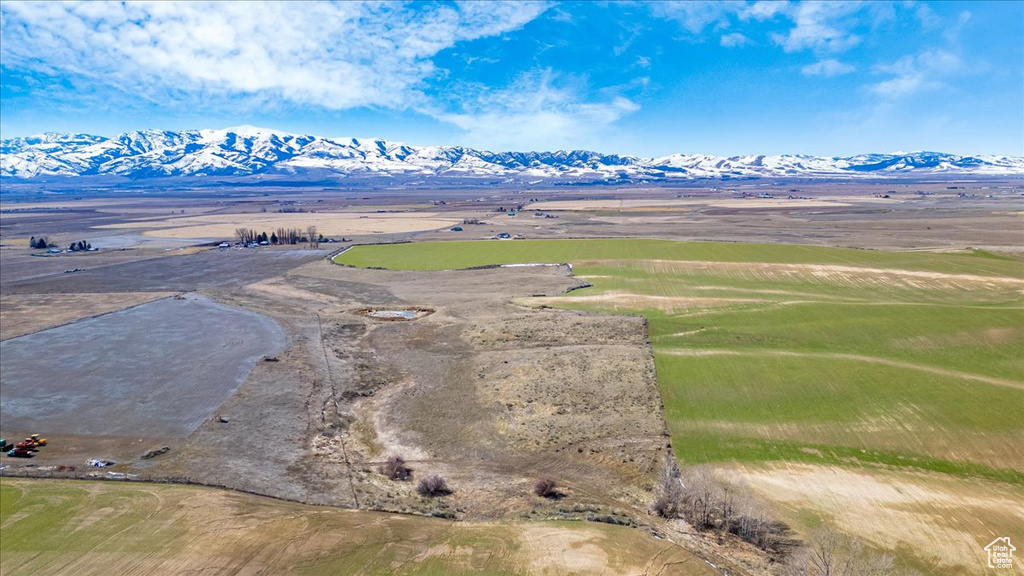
x: 828, y: 68
x: 765, y: 9
x: 952, y: 33
x: 536, y: 111
x: 912, y: 74
x: 329, y: 55
x: 696, y: 15
x: 822, y: 26
x: 734, y: 40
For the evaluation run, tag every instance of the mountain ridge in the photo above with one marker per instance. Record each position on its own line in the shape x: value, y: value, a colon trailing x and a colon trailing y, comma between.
x: 249, y: 150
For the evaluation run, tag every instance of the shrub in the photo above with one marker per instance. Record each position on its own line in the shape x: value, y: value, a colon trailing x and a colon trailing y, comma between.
x: 546, y: 488
x: 711, y: 504
x: 396, y: 469
x: 433, y: 485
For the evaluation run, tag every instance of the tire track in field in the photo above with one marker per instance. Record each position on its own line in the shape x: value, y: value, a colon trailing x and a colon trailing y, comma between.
x: 842, y: 356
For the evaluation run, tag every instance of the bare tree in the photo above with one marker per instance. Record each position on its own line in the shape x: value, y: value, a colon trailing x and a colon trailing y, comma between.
x: 243, y: 235
x: 311, y: 235
x: 700, y: 497
x: 825, y: 549
x: 829, y: 553
x: 710, y: 503
x: 668, y: 502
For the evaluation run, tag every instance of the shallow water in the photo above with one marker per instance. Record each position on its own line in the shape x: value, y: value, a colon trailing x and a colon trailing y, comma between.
x: 392, y: 314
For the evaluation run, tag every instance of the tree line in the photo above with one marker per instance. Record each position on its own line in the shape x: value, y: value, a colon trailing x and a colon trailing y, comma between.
x: 42, y: 243
x: 281, y: 236
x: 717, y: 506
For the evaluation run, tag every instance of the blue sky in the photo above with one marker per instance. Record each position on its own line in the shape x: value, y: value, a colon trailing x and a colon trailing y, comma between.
x: 727, y: 78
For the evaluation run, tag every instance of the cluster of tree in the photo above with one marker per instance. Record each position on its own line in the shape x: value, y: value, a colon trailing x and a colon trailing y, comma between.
x: 712, y: 504
x: 709, y: 503
x: 281, y: 236
x: 249, y: 236
x: 40, y: 243
x: 828, y: 553
x: 517, y: 208
x: 79, y: 246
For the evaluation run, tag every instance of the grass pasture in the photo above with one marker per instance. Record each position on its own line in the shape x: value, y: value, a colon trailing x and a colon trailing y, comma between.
x: 74, y: 527
x: 875, y: 391
x: 778, y: 352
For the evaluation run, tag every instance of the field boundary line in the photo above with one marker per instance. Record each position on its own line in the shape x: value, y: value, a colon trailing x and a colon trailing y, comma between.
x: 842, y: 356
x: 169, y: 294
x: 330, y: 257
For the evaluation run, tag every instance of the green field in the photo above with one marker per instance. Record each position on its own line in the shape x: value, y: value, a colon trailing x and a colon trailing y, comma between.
x: 77, y: 527
x: 455, y: 255
x: 778, y: 352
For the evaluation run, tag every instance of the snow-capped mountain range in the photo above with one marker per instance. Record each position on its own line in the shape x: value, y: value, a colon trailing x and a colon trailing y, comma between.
x: 247, y: 151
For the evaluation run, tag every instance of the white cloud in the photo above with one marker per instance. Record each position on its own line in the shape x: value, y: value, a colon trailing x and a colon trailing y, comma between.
x: 734, y: 39
x: 822, y: 27
x: 696, y: 15
x: 533, y: 113
x: 828, y: 68
x: 766, y: 9
x: 331, y: 55
x: 912, y: 74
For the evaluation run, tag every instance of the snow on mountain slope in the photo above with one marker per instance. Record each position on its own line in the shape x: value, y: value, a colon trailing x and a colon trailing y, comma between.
x: 247, y: 150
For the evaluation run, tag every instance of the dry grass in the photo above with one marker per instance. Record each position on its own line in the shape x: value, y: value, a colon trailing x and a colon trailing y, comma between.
x: 619, y: 300
x: 223, y: 225
x: 635, y: 205
x: 828, y: 274
x: 22, y: 314
x: 61, y: 527
x: 938, y: 522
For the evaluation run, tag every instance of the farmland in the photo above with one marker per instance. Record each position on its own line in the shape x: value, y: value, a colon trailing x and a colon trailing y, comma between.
x: 761, y: 348
x: 870, y: 391
x: 129, y: 377
x: 770, y: 355
x: 224, y: 225
x: 67, y: 527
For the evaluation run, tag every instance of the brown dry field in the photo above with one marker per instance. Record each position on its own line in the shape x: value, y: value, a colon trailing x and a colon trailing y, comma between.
x: 946, y: 521
x: 490, y: 393
x: 689, y: 203
x: 223, y: 225
x: 27, y: 313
